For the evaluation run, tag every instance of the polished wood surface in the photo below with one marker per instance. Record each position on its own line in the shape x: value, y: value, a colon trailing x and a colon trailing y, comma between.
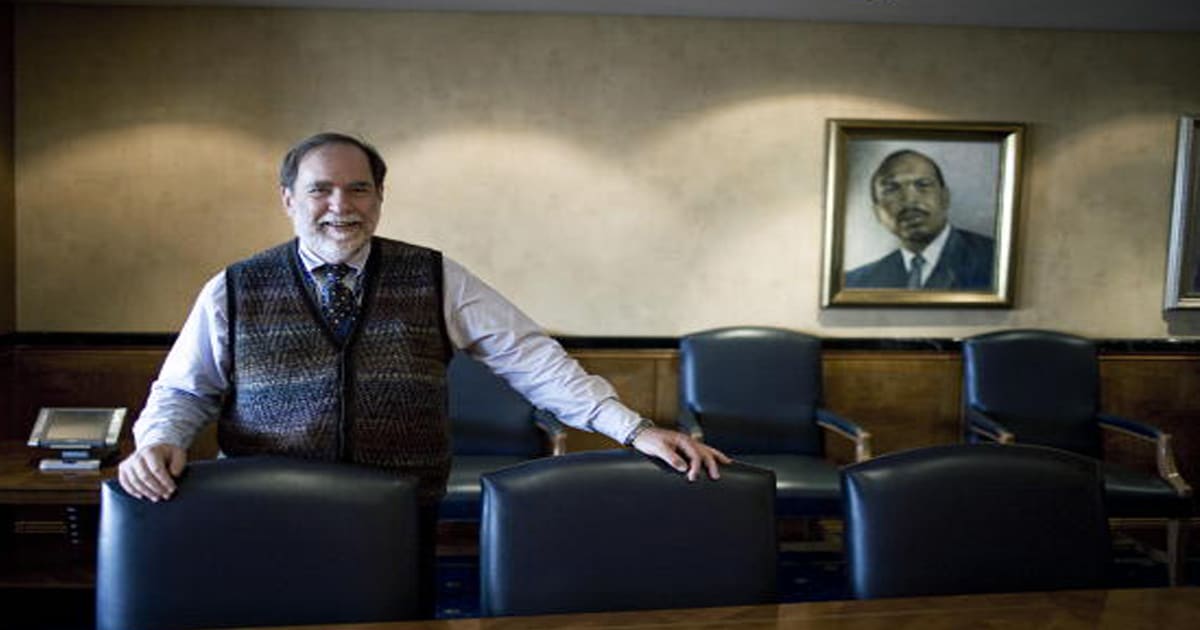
x: 21, y: 483
x: 1148, y: 609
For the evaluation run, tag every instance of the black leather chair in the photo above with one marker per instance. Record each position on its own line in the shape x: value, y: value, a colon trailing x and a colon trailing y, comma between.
x: 492, y: 427
x: 974, y: 518
x: 1043, y: 387
x: 615, y: 530
x: 755, y: 393
x: 259, y: 542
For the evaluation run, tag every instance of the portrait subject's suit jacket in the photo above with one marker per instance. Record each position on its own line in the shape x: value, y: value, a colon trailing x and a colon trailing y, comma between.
x: 966, y: 264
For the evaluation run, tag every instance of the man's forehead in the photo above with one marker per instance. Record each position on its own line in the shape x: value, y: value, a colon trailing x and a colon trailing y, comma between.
x: 334, y: 161
x: 908, y: 166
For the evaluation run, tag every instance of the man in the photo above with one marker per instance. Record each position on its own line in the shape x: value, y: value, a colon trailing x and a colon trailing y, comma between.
x: 911, y: 200
x: 334, y: 346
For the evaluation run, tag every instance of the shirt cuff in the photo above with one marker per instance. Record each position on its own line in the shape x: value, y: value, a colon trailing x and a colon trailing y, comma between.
x: 637, y: 430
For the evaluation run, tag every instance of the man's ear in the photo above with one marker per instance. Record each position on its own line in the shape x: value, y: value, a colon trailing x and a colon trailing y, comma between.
x: 285, y: 199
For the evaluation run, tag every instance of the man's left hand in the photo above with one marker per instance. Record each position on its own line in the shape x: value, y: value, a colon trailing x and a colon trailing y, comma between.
x: 681, y: 451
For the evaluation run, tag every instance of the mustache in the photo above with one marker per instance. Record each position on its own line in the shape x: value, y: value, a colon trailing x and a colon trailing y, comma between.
x: 912, y: 212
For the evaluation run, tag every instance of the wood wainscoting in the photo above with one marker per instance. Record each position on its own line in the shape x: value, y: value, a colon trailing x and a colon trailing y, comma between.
x: 905, y: 398
x: 75, y: 376
x: 908, y: 399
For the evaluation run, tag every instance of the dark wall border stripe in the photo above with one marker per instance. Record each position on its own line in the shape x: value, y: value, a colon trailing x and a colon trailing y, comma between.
x: 931, y: 344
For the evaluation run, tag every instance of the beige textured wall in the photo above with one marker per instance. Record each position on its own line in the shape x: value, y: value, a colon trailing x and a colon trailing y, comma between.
x: 8, y: 311
x: 612, y: 175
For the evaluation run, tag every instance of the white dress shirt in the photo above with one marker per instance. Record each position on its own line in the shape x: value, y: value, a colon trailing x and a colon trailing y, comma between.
x: 194, y: 381
x: 931, y: 254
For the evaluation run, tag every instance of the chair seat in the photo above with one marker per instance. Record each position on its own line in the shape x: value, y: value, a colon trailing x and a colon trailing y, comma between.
x: 804, y: 486
x: 463, y: 493
x: 1131, y: 493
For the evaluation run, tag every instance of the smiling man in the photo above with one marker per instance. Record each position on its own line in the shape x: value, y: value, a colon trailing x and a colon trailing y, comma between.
x: 912, y: 201
x: 334, y: 346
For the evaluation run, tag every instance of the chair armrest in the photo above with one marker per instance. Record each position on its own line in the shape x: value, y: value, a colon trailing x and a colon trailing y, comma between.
x: 1164, y: 453
x: 554, y: 429
x: 1137, y: 429
x: 982, y: 425
x: 687, y: 423
x: 836, y: 424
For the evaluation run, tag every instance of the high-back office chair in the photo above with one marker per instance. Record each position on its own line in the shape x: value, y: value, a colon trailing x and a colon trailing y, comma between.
x: 615, y: 530
x: 974, y: 518
x: 755, y: 393
x: 492, y: 427
x: 1043, y: 387
x: 259, y: 542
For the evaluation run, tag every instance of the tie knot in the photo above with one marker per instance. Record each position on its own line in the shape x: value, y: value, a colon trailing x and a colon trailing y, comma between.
x: 915, y: 271
x: 334, y: 273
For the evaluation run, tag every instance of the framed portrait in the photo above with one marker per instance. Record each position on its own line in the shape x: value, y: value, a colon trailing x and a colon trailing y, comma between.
x: 1183, y: 261
x: 920, y: 213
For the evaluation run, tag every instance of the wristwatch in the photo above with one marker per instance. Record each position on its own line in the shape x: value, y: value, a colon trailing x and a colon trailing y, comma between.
x: 641, y: 426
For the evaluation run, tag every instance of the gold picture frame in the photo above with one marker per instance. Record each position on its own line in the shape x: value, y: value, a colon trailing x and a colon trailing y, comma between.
x: 950, y: 190
x: 1183, y: 255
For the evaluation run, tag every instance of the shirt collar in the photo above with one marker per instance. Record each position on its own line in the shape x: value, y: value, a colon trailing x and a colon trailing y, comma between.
x: 311, y: 260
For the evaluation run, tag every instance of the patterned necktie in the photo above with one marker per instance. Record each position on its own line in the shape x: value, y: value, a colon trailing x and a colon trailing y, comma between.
x: 914, y: 272
x: 338, y: 303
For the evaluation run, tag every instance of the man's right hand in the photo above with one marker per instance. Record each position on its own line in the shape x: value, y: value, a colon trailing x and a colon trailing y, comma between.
x: 150, y: 472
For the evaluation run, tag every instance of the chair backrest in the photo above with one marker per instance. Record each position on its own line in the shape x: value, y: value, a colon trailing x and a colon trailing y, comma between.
x: 1043, y: 385
x: 614, y: 530
x: 753, y: 389
x: 259, y: 541
x: 487, y: 417
x: 974, y: 518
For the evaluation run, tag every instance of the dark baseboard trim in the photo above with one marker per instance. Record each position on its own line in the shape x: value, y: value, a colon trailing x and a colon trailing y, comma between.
x: 93, y: 339
x: 572, y: 342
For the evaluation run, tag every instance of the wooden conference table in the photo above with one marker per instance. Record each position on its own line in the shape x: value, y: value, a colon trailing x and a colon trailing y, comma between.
x: 1132, y: 609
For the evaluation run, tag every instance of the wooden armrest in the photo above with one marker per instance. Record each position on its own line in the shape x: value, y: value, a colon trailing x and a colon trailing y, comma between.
x: 849, y: 430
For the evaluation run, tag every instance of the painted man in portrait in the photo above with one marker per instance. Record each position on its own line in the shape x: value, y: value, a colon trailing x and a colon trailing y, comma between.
x: 911, y: 199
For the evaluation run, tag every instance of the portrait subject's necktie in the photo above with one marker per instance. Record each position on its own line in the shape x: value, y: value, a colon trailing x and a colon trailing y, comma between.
x: 338, y: 302
x: 914, y: 272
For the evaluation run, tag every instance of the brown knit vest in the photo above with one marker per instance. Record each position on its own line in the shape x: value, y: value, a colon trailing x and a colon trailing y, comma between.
x: 378, y: 399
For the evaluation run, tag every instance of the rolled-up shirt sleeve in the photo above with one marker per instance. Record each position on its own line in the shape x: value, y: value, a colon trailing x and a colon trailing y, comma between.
x: 493, y: 330
x: 191, y: 386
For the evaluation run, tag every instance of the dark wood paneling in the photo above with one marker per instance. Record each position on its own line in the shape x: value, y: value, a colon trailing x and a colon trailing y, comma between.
x: 79, y: 377
x: 904, y: 399
x: 908, y: 399
x: 634, y: 374
x: 7, y: 397
x: 1160, y: 390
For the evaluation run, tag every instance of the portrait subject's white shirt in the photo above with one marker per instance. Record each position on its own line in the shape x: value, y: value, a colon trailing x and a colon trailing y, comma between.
x: 932, y: 253
x: 194, y: 381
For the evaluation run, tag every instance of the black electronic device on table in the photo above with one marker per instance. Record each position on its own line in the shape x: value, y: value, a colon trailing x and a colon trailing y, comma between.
x: 84, y: 435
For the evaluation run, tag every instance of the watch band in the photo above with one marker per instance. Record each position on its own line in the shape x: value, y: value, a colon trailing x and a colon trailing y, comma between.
x: 641, y: 426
